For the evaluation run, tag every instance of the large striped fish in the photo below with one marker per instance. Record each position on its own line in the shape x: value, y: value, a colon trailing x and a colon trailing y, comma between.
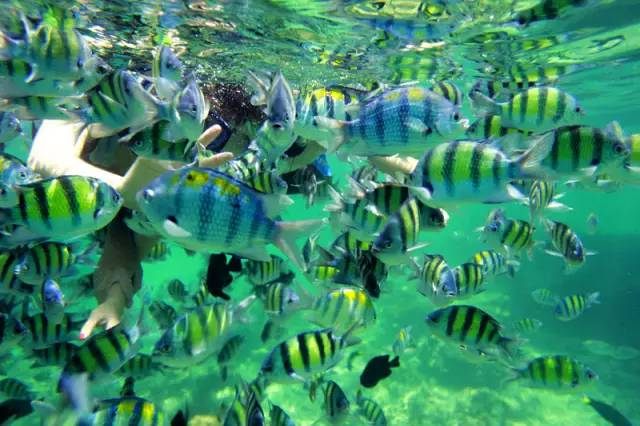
x: 205, y: 210
x: 555, y: 372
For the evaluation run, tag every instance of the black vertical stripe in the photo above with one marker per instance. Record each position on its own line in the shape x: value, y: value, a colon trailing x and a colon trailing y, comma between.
x: 468, y: 320
x: 562, y: 107
x: 451, y: 319
x: 598, y: 145
x: 72, y: 199
x: 449, y: 167
x: 484, y: 321
x: 378, y: 120
x: 493, y: 333
x: 558, y: 371
x: 99, y: 198
x: 426, y: 168
x: 474, y: 171
x: 43, y: 204
x: 319, y: 342
x: 97, y: 355
x: 331, y: 110
x: 313, y: 106
x: 543, y: 95
x: 117, y: 347
x: 332, y: 344
x: 286, y: 361
x: 495, y: 169
x: 304, y: 351
x: 574, y: 145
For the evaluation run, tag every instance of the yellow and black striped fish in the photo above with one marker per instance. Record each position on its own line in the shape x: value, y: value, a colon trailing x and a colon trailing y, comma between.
x: 163, y: 313
x: 343, y: 309
x: 149, y: 143
x: 53, y: 260
x: 57, y: 354
x: 45, y: 332
x: 159, y: 251
x: 512, y: 235
x: 262, y: 273
x: 571, y: 307
x: 336, y: 403
x: 348, y: 243
x: 470, y: 326
x: 370, y: 410
x: 279, y: 417
x: 527, y: 325
x: 139, y: 366
x: 469, y: 279
x: 436, y: 277
x: 267, y: 182
x: 448, y: 90
x: 494, y: 263
x: 323, y: 273
x: 566, y: 244
x: 129, y: 410
x: 490, y: 127
x: 227, y: 353
x: 9, y: 281
x: 245, y: 410
x: 304, y: 355
x: 60, y: 208
x: 280, y: 299
x: 555, y: 372
x: 177, y: 290
x: 14, y: 388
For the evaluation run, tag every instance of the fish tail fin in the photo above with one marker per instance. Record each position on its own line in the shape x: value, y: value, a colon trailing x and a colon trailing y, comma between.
x: 515, y: 375
x: 509, y: 346
x: 483, y: 105
x: 289, y: 232
x: 513, y: 266
x: 395, y: 362
x: 594, y: 298
x: 529, y: 161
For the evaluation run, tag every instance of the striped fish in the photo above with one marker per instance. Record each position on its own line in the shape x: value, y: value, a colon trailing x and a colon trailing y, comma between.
x: 403, y: 341
x: 205, y: 210
x: 9, y: 281
x: 336, y: 405
x: 343, y: 309
x: 469, y: 279
x: 407, y: 68
x: 194, y: 336
x: 267, y: 182
x: 244, y: 411
x: 60, y: 208
x: 465, y: 171
x: 149, y: 143
x: 495, y: 263
x: 12, y: 332
x: 370, y: 410
x: 566, y: 244
x: 555, y: 372
x: 544, y: 296
x: 571, y: 307
x: 119, y: 102
x: 279, y: 417
x: 542, y: 195
x: 128, y: 410
x: 536, y: 109
x: 202, y: 295
x: 511, y: 235
x: 45, y: 332
x: 159, y: 251
x: 580, y: 151
x: 177, y: 290
x: 245, y: 165
x: 323, y: 273
x: 362, y: 219
x: 163, y: 313
x: 400, y: 235
x: 14, y: 388
x: 548, y: 9
x: 471, y: 327
x: 57, y: 354
x: 387, y: 198
x: 302, y: 356
x: 449, y: 91
x: 399, y: 121
x: 262, y: 273
x: 349, y: 244
x: 37, y: 108
x: 139, y: 366
x: 338, y: 103
x: 280, y: 299
x: 55, y: 260
x: 490, y: 127
x: 227, y: 353
x: 630, y: 172
x: 435, y: 277
x: 527, y: 325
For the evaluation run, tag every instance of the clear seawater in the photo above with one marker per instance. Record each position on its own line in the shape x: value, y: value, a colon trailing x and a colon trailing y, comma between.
x: 436, y: 383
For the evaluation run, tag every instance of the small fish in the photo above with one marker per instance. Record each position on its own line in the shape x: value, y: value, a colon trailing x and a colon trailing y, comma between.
x: 9, y: 281
x: 510, y: 235
x: 244, y: 215
x: 286, y: 361
x: 378, y: 368
x: 411, y: 118
x: 52, y: 301
x: 343, y: 309
x: 336, y: 405
x: 607, y: 412
x: 399, y: 237
x: 57, y: 354
x: 245, y: 411
x: 177, y: 290
x: 370, y: 410
x: 536, y: 109
x: 45, y: 333
x: 149, y: 143
x: 189, y: 110
x: 555, y: 372
x: 139, y: 366
x: 14, y: 172
x: 571, y: 307
x: 566, y: 244
x: 120, y: 102
x: 10, y: 127
x: 545, y: 297
x: 527, y: 325
x: 281, y: 299
x: 581, y: 151
x: 159, y: 251
x: 127, y: 410
x: 61, y: 208
x: 279, y: 417
x: 495, y: 263
x: 194, y: 336
x: 262, y: 273
x: 592, y: 223
x: 167, y: 71
x: 468, y: 325
x: 227, y: 353
x: 403, y: 341
x: 57, y: 260
x: 14, y: 388
x: 542, y: 196
x: 163, y: 313
x: 435, y: 277
x: 469, y: 279
x: 465, y: 171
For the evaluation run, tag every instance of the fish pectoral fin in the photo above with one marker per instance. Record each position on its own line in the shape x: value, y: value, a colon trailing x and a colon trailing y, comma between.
x: 174, y: 230
x: 554, y: 205
x: 553, y: 253
x: 417, y: 126
x: 417, y: 247
x: 588, y: 171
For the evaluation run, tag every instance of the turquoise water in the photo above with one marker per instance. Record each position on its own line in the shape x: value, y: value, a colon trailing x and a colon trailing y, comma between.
x: 319, y: 43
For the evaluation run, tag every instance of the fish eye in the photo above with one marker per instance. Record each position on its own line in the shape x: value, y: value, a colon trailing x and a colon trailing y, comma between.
x: 590, y: 374
x: 80, y: 63
x: 578, y: 110
x: 388, y: 244
x: 456, y: 116
x: 619, y: 148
